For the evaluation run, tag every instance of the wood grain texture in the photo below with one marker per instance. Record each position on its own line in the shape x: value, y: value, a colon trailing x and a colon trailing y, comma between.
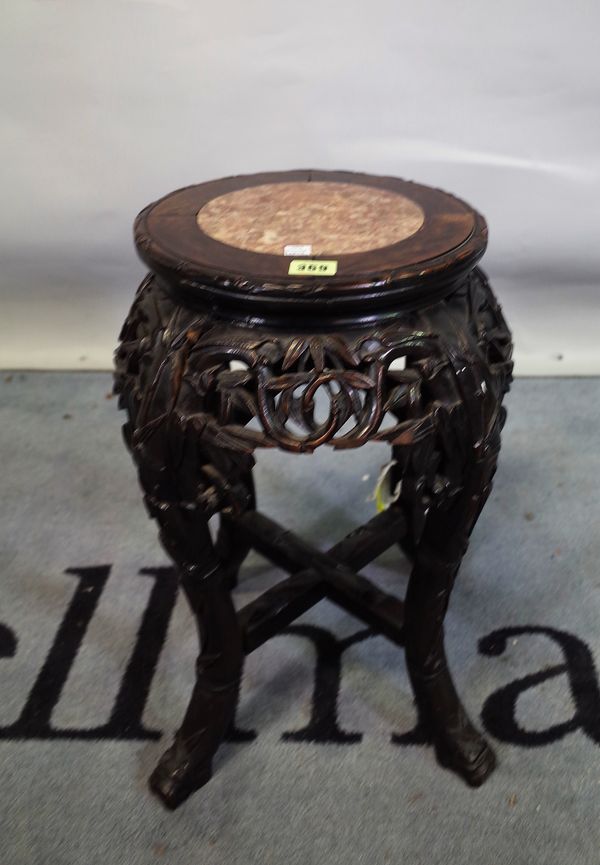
x: 199, y: 268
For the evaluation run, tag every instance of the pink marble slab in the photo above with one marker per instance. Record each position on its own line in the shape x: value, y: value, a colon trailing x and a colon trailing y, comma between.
x: 329, y: 217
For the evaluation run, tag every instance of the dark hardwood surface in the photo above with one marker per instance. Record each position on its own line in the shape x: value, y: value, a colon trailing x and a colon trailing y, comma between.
x: 429, y: 263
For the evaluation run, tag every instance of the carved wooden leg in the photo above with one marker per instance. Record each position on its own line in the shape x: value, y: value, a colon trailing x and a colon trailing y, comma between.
x: 187, y: 764
x: 230, y: 547
x: 459, y: 746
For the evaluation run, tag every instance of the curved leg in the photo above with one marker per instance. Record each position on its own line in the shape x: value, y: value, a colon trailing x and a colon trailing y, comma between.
x: 187, y: 764
x: 459, y: 746
x: 189, y: 470
x: 229, y: 548
x: 441, y: 714
x: 407, y: 542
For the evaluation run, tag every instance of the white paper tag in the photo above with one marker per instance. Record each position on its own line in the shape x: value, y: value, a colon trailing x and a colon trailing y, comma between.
x: 298, y: 249
x: 383, y: 495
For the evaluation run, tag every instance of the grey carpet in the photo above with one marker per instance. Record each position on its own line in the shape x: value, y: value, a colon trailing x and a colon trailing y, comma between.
x: 70, y: 501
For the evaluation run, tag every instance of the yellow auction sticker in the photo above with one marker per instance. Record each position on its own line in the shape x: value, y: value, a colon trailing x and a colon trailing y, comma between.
x: 308, y: 267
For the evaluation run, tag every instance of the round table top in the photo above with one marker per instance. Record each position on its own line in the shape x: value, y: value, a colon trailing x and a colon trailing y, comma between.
x: 299, y: 235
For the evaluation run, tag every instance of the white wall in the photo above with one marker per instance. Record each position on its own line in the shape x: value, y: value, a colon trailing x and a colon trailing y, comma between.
x: 108, y: 104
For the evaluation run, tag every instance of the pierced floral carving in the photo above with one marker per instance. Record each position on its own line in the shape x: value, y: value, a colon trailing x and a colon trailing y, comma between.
x: 234, y: 389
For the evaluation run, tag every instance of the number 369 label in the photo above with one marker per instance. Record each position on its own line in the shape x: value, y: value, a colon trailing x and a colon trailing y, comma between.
x: 308, y: 267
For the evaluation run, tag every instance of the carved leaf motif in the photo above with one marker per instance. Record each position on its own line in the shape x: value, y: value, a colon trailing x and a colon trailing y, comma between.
x: 269, y: 351
x: 337, y: 348
x: 397, y: 398
x: 231, y: 378
x: 143, y: 433
x: 289, y: 380
x: 405, y: 376
x: 295, y: 350
x: 244, y: 399
x: 431, y: 367
x: 414, y: 394
x: 412, y: 431
x: 317, y: 353
x: 240, y: 438
x: 357, y: 379
x: 177, y: 367
x: 202, y: 382
x: 199, y: 421
x: 225, y: 407
x: 189, y: 335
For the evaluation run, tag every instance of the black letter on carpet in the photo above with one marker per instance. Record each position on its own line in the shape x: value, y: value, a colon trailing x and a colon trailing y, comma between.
x: 323, y: 727
x: 125, y: 721
x: 499, y: 710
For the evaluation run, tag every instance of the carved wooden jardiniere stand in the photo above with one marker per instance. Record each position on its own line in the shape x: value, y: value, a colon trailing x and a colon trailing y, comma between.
x: 269, y: 296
